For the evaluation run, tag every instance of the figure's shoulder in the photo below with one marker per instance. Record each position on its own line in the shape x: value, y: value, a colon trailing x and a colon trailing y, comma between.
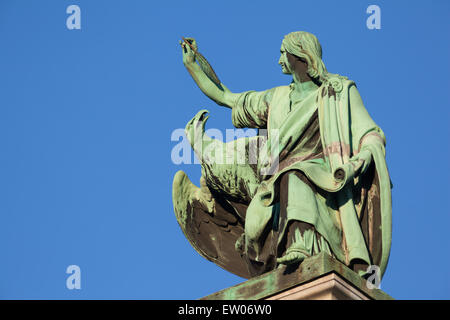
x: 276, y: 93
x: 338, y: 82
x: 281, y: 90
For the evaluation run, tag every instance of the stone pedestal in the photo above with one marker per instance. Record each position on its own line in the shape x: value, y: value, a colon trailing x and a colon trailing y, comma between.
x: 317, y: 278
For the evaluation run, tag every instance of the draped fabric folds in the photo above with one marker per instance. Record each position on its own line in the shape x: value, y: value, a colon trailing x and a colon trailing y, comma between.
x: 318, y: 137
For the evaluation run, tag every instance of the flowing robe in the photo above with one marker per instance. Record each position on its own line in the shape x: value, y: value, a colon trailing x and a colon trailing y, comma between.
x: 317, y: 137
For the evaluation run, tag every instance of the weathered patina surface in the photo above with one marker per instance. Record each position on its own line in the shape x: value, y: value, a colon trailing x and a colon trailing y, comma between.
x: 322, y: 184
x: 282, y: 279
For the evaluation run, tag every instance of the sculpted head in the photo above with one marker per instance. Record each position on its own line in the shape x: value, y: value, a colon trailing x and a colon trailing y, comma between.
x: 301, y: 50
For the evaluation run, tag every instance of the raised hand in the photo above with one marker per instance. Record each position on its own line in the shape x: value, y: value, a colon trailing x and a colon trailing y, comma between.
x: 188, y: 53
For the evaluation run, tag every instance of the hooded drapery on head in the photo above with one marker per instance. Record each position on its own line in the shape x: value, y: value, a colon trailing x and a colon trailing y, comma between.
x: 306, y: 46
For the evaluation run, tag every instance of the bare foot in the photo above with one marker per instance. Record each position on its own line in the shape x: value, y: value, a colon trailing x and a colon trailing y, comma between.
x: 292, y: 257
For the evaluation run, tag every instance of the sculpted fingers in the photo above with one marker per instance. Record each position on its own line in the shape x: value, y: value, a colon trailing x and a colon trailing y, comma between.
x: 193, y: 43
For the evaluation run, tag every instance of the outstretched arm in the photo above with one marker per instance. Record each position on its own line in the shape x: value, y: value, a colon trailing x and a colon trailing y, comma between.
x: 219, y: 94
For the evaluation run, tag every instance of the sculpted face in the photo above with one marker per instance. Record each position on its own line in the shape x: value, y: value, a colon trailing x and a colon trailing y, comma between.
x: 291, y: 64
x: 283, y: 61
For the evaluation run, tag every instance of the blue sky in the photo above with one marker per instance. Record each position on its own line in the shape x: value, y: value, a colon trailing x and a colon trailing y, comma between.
x: 86, y: 118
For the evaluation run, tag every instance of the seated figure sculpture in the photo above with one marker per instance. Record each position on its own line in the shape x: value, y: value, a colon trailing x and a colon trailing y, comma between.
x: 329, y: 191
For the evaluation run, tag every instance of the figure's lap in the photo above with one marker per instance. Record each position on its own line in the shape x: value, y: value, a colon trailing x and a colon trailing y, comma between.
x: 297, y: 201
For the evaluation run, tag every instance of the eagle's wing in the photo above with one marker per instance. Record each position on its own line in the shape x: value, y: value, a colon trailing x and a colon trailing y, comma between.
x: 212, y: 225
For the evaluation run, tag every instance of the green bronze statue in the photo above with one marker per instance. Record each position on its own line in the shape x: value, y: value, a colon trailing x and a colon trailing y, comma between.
x: 328, y: 190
